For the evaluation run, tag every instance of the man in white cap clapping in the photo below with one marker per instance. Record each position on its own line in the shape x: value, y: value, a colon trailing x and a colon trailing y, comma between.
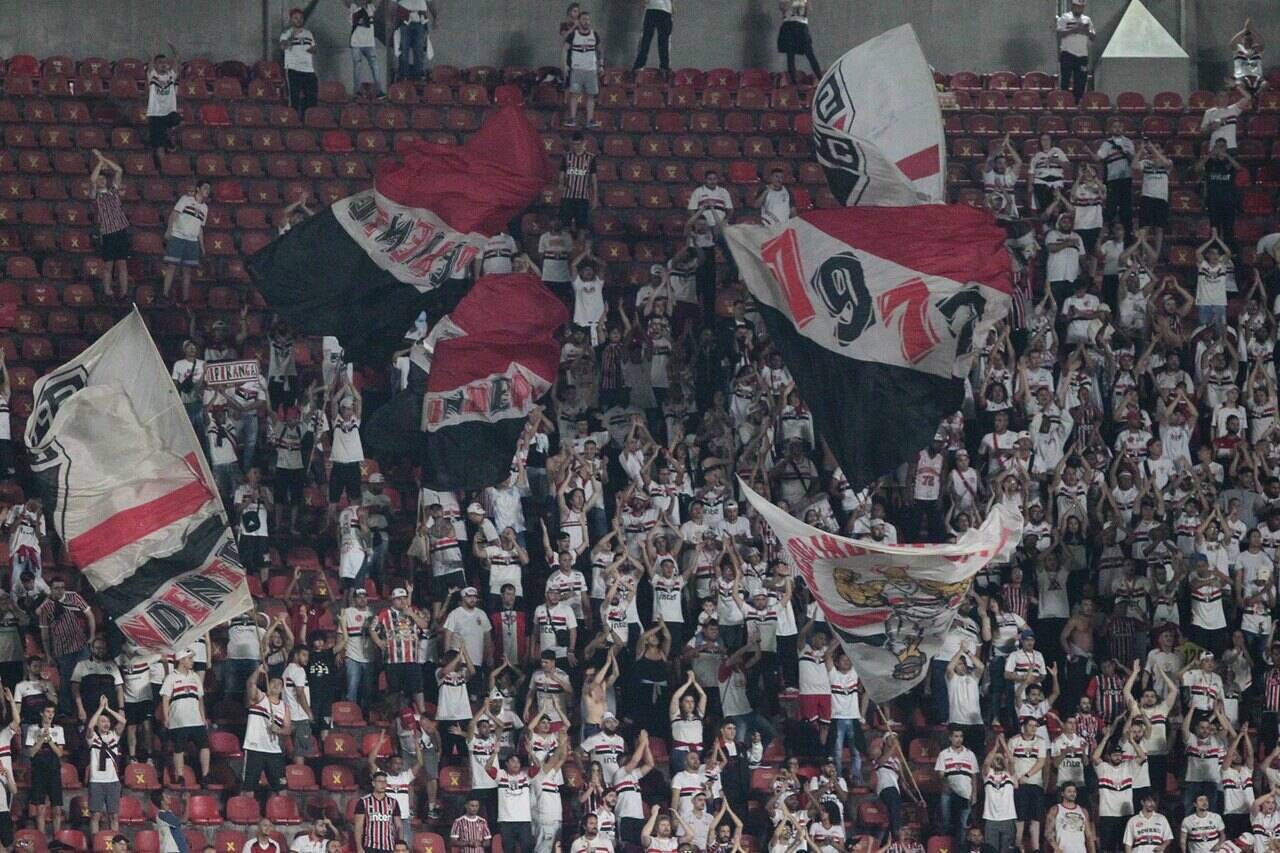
x: 467, y: 625
x: 182, y: 704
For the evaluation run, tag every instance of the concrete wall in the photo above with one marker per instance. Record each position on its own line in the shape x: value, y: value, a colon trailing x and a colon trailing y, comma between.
x: 978, y: 34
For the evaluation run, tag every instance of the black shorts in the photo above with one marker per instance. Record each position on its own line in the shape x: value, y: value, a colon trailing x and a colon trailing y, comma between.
x: 282, y: 391
x: 575, y: 212
x: 404, y: 678
x: 344, y: 476
x: 158, y: 128
x: 1153, y: 212
x: 253, y: 551
x: 139, y: 712
x: 289, y: 485
x: 115, y: 246
x: 1028, y: 802
x: 46, y: 781
x: 1089, y: 236
x: 196, y: 735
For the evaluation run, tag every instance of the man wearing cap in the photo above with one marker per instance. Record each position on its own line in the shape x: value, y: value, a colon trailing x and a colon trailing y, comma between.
x: 467, y: 625
x: 556, y: 629
x: 1204, y: 686
x: 606, y: 746
x: 395, y: 632
x: 182, y: 707
x: 1075, y: 33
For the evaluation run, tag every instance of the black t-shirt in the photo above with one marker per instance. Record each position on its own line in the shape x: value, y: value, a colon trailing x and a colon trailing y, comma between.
x: 322, y: 678
x: 1219, y: 178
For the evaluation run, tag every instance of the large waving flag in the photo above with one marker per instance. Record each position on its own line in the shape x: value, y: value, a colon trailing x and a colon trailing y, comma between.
x: 877, y: 128
x: 363, y: 269
x: 126, y: 483
x: 890, y: 605
x: 876, y: 311
x: 473, y: 382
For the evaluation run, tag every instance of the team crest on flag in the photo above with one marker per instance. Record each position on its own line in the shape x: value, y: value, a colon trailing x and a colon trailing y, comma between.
x: 890, y: 605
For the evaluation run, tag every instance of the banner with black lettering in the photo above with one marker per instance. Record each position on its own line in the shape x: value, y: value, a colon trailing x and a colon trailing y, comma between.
x: 126, y: 483
x: 470, y: 386
x: 365, y: 268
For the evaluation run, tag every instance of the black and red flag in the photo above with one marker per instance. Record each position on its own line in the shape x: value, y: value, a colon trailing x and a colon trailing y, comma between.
x: 473, y: 382
x: 876, y: 311
x: 363, y: 269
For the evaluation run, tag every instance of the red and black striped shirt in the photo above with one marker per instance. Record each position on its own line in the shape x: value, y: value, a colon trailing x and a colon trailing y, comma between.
x: 379, y: 826
x: 577, y: 170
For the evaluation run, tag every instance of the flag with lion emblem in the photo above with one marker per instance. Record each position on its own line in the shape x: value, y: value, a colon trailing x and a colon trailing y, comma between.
x: 889, y: 605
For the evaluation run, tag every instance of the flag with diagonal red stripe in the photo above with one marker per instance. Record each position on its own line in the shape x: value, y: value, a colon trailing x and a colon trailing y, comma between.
x: 122, y: 475
x: 876, y: 311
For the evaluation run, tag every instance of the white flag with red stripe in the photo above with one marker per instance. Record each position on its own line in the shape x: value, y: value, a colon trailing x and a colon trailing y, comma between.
x: 130, y: 493
x: 877, y: 128
x: 890, y: 605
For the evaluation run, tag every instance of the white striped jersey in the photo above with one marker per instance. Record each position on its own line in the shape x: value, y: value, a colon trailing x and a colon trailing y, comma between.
x: 258, y: 736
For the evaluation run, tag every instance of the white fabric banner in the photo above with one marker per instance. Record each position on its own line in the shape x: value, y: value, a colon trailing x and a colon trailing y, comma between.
x: 890, y: 605
x: 877, y: 128
x: 130, y: 493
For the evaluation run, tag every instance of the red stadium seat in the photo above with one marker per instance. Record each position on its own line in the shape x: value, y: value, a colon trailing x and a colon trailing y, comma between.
x: 203, y: 810
x: 1167, y: 102
x: 1131, y: 102
x: 282, y: 810
x: 229, y: 841
x: 72, y: 838
x: 225, y: 743
x: 146, y: 841
x: 338, y: 777
x: 243, y: 809
x: 298, y: 777
x: 132, y: 812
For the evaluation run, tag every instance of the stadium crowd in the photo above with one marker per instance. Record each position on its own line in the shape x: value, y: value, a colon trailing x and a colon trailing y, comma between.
x: 609, y: 644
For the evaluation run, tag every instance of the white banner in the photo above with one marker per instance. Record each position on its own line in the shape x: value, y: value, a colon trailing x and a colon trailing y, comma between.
x: 126, y: 483
x: 890, y: 605
x: 877, y: 128
x: 231, y: 372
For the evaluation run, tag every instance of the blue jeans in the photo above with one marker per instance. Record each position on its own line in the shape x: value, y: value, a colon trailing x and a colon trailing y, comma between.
x: 846, y: 731
x: 66, y: 667
x: 413, y: 50
x: 368, y: 55
x: 955, y: 816
x: 939, y: 703
x: 1213, y: 314
x: 248, y: 439
x: 195, y: 414
x: 358, y: 674
x: 754, y: 722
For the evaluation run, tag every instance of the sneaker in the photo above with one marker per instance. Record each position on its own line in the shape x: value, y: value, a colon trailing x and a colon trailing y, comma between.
x: 433, y: 813
x: 570, y: 122
x: 593, y: 123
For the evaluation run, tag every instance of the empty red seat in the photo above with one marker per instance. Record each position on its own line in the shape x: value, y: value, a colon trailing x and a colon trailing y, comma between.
x: 203, y: 810
x: 1096, y: 102
x: 228, y: 192
x: 73, y: 838
x: 225, y: 743
x: 1167, y: 102
x: 992, y: 100
x: 1131, y: 102
x: 1056, y: 99
x: 243, y: 809
x: 1003, y: 80
x: 337, y: 778
x: 215, y: 114
x: 1039, y: 81
x: 282, y: 809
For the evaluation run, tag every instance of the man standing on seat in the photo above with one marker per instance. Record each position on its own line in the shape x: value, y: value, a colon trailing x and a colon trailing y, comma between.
x: 657, y: 19
x: 582, y: 65
x: 299, y: 46
x: 1075, y: 32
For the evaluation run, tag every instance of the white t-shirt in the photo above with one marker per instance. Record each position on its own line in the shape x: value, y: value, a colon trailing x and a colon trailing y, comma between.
x: 588, y: 301
x: 513, y: 796
x: 295, y: 678
x: 1155, y: 179
x: 162, y: 93
x: 190, y: 219
x: 958, y: 767
x: 1147, y: 834
x: 1229, y: 116
x: 1064, y: 265
x: 1076, y: 44
x: 346, y: 440
x: 1203, y: 833
x: 362, y: 18
x: 498, y: 253
x: 472, y: 626
x: 298, y: 45
x: 716, y: 203
x: 555, y: 251
x: 1211, y: 284
x: 186, y: 698
x: 103, y: 768
x: 776, y: 206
